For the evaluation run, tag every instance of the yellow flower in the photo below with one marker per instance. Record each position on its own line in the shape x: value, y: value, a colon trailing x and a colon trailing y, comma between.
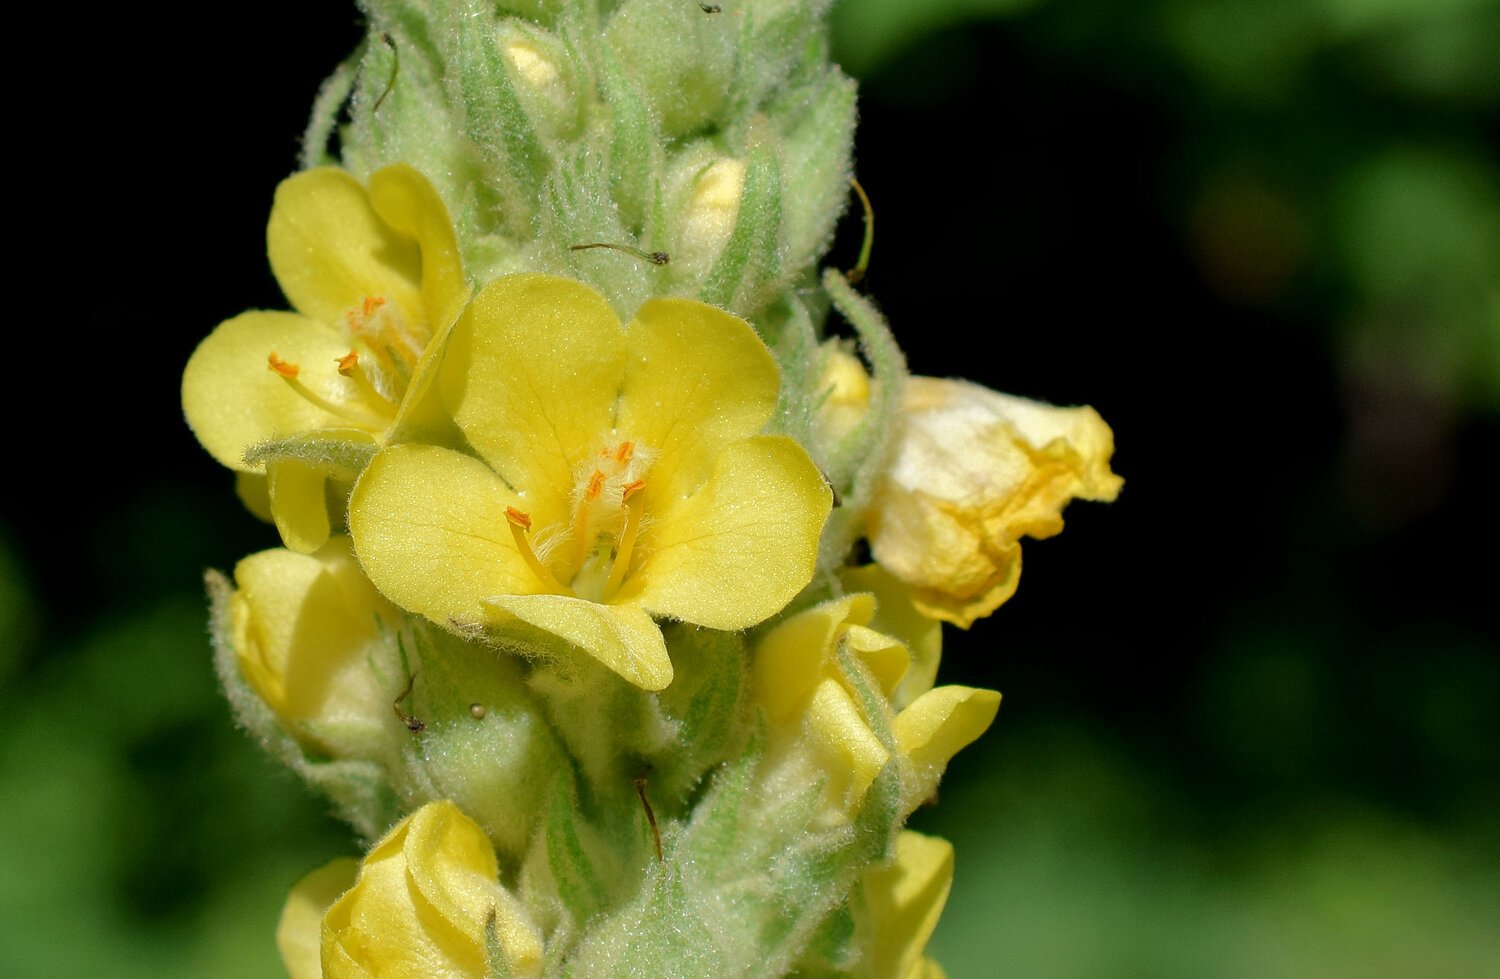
x: 305, y: 629
x: 973, y: 472
x: 375, y: 276
x: 427, y: 902
x: 902, y: 902
x: 825, y: 680
x: 619, y: 476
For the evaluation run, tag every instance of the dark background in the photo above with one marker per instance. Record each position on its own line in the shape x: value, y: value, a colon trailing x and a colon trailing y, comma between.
x: 1250, y: 722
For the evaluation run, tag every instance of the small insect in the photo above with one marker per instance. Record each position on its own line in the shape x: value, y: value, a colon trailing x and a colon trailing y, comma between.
x: 857, y: 273
x: 655, y: 258
x: 413, y: 723
x: 640, y: 790
x: 838, y: 500
x: 710, y: 8
x: 395, y: 70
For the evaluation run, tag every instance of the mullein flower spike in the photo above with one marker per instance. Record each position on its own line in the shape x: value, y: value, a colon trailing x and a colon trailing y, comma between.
x: 571, y: 624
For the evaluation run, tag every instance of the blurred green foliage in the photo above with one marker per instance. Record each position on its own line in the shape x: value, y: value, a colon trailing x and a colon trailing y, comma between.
x: 144, y: 836
x: 1340, y: 152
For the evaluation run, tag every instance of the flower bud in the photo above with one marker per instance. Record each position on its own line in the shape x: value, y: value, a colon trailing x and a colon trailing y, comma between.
x: 683, y: 61
x: 825, y: 680
x: 306, y: 629
x: 709, y: 214
x: 974, y: 471
x: 541, y: 74
x: 847, y: 398
x: 902, y: 902
x: 428, y: 902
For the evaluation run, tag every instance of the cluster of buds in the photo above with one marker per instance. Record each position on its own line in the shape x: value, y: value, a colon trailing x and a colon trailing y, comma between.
x: 568, y: 623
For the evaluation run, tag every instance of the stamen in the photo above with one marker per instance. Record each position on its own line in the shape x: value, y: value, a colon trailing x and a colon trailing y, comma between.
x: 392, y: 344
x: 286, y: 370
x: 634, y: 502
x: 520, y: 523
x: 349, y: 367
x: 289, y: 372
x: 624, y: 453
x: 596, y: 485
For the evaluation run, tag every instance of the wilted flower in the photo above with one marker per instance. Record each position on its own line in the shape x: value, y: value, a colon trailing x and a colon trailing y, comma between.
x: 973, y: 472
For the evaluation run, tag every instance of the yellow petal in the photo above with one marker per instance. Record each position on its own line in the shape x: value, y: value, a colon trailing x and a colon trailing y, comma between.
x: 904, y: 900
x: 944, y: 552
x: 697, y: 379
x: 421, y: 416
x: 252, y: 490
x: 232, y: 398
x: 976, y: 601
x: 408, y: 202
x: 792, y: 658
x: 886, y: 657
x: 734, y: 553
x: 621, y: 637
x: 330, y: 250
x: 942, y: 722
x: 897, y: 615
x: 299, y: 504
x: 531, y: 376
x: 430, y: 529
x: 851, y: 753
x: 298, y: 933
x: 422, y: 903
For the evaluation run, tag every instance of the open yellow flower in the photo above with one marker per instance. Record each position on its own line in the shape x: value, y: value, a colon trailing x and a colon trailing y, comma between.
x: 375, y: 277
x: 826, y: 680
x: 973, y: 472
x: 427, y: 902
x: 619, y: 476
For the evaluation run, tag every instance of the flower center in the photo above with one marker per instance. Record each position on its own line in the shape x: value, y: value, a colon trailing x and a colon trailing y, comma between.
x: 378, y: 367
x: 591, y: 556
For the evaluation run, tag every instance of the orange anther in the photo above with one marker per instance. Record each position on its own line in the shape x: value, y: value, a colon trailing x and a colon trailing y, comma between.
x: 347, y: 363
x: 372, y: 303
x: 631, y: 489
x: 624, y: 452
x: 518, y: 518
x: 596, y: 485
x: 283, y: 368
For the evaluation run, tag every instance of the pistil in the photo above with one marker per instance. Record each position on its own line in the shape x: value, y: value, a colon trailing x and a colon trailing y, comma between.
x: 634, y: 502
x: 581, y: 520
